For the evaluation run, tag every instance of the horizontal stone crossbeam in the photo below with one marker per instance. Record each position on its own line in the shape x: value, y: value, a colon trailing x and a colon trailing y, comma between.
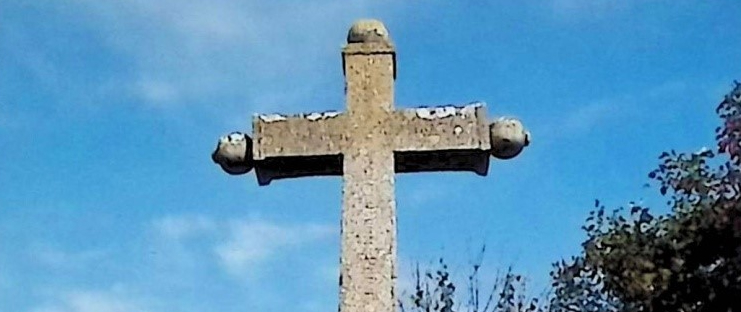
x: 443, y: 138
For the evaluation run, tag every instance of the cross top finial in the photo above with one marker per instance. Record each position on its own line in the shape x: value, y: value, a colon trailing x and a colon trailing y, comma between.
x: 367, y: 30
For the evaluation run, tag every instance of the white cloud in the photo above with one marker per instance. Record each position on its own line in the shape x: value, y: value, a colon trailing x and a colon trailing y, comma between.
x: 238, y: 246
x: 615, y: 111
x: 252, y: 242
x: 157, y: 91
x: 586, y: 117
x: 179, y: 246
x: 421, y: 192
x: 94, y: 301
x: 184, y: 226
x: 197, y: 50
x: 58, y: 258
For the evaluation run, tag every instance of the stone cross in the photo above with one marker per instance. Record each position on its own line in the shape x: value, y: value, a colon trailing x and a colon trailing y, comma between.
x: 367, y: 145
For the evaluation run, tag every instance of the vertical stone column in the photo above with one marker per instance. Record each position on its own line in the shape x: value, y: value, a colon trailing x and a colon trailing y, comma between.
x: 367, y: 277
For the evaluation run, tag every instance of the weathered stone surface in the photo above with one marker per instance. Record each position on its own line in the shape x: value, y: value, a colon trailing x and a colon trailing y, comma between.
x: 443, y: 138
x: 508, y: 137
x: 298, y: 135
x: 441, y: 128
x: 234, y: 153
x: 368, y: 256
x: 367, y: 145
x: 367, y: 30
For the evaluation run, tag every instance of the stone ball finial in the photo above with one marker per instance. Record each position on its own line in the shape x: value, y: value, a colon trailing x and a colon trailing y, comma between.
x: 234, y: 153
x: 508, y: 138
x: 367, y: 30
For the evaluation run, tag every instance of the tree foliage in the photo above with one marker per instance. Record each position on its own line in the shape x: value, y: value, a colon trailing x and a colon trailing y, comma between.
x: 687, y: 260
x: 634, y: 260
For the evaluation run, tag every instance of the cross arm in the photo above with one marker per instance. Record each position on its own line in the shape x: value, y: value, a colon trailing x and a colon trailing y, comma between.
x: 445, y: 138
x: 296, y: 146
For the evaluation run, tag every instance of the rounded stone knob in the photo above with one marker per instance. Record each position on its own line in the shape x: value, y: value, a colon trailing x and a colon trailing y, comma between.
x: 234, y: 153
x: 508, y: 138
x: 367, y: 30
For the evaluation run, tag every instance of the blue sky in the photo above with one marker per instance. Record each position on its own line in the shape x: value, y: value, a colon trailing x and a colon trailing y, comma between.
x: 109, y: 111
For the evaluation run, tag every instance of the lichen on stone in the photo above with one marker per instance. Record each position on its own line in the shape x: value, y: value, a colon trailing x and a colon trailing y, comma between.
x: 314, y: 116
x: 438, y: 112
x: 318, y: 116
x: 272, y: 117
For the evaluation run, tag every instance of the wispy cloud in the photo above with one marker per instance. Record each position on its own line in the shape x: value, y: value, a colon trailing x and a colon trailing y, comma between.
x: 57, y: 258
x: 156, y: 91
x: 251, y: 242
x: 605, y: 112
x: 116, y: 300
x: 425, y: 194
x: 579, y: 121
x: 237, y: 246
x: 586, y: 117
x: 184, y: 226
x: 196, y: 51
x: 180, y: 251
